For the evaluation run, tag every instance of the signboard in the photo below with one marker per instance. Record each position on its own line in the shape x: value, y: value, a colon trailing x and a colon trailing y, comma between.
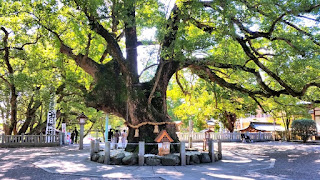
x: 51, y: 120
x: 163, y: 148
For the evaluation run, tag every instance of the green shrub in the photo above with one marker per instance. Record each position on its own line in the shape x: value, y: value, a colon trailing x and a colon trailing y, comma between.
x: 304, y: 128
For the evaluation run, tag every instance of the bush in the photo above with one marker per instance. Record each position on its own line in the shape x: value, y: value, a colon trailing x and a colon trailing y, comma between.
x: 304, y: 128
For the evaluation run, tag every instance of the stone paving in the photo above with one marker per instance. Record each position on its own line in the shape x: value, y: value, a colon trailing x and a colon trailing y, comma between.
x: 243, y: 161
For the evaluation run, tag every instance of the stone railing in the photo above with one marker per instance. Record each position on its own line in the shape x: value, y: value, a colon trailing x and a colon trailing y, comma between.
x: 182, y: 158
x: 30, y: 140
x: 225, y: 137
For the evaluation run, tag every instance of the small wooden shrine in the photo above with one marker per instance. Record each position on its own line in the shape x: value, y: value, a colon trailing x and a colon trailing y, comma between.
x: 163, y: 140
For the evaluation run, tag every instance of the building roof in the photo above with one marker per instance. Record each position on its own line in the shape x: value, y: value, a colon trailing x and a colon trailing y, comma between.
x: 263, y: 126
x: 163, y: 134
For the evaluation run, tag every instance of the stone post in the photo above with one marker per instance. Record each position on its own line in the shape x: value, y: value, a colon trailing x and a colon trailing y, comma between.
x: 81, y: 136
x: 64, y: 138
x: 91, y: 148
x: 3, y: 137
x: 22, y: 138
x: 141, y: 153
x: 107, y: 153
x: 60, y: 138
x: 96, y: 148
x: 211, y: 150
x: 41, y: 138
x: 190, y: 133
x: 219, y: 149
x: 260, y: 136
x: 183, y: 153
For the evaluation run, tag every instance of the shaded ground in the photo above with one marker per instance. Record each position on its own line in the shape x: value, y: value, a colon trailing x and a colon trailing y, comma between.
x: 17, y: 163
x: 244, y: 161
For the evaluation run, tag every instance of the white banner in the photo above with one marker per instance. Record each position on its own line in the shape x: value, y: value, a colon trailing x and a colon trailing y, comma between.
x: 64, y: 130
x: 51, y: 120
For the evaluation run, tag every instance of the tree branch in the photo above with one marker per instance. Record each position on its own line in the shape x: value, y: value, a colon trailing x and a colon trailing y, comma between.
x: 259, y: 104
x: 205, y: 72
x: 88, y: 45
x: 158, y: 75
x: 28, y: 43
x: 302, y: 31
x: 207, y: 61
x: 113, y: 47
x: 147, y: 68
x: 86, y: 63
x: 180, y: 85
x: 204, y: 27
x: 5, y: 80
x: 265, y: 69
x: 104, y: 55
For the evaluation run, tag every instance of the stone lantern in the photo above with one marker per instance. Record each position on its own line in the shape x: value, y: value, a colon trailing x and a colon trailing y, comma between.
x: 207, y: 138
x: 82, y: 121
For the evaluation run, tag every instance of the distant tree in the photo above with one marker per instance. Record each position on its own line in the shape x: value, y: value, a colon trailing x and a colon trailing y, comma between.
x: 284, y: 109
x: 304, y: 128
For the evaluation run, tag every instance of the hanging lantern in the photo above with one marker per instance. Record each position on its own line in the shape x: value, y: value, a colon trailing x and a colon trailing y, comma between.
x: 156, y: 129
x: 136, y: 134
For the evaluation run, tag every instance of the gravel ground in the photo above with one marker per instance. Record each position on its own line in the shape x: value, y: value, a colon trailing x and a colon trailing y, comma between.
x: 288, y: 160
x: 269, y: 160
x: 16, y: 163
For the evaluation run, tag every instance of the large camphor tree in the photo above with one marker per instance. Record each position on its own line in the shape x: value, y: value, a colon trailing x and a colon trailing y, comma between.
x: 260, y: 48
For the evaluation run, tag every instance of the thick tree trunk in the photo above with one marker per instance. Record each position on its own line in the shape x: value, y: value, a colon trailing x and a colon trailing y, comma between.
x: 40, y: 128
x: 117, y: 88
x: 13, y: 111
x: 30, y: 115
x: 113, y: 97
x: 230, y: 120
x: 10, y: 83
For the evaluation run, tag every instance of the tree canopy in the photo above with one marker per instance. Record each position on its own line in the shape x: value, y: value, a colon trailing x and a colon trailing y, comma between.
x: 259, y: 48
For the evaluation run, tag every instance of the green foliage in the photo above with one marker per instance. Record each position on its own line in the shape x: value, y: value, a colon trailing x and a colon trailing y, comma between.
x: 304, y: 128
x: 205, y: 101
x: 290, y: 52
x: 285, y: 108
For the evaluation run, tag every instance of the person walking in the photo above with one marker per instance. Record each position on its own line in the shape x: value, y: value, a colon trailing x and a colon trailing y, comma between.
x: 124, y: 138
x: 110, y: 134
x: 116, y: 138
x: 76, y: 135
x: 72, y: 137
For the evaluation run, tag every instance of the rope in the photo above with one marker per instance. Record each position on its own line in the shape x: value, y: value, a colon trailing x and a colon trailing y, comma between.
x: 150, y: 123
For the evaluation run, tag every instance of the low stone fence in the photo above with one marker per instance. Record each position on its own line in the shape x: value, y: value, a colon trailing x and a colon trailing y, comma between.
x: 184, y: 157
x: 225, y: 137
x: 30, y: 140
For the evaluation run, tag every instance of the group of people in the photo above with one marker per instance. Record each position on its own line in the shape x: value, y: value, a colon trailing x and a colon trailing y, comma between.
x: 116, y: 136
x: 74, y: 136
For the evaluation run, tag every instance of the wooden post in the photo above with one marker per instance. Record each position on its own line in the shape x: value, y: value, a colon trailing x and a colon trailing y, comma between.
x: 183, y: 153
x: 141, y: 153
x: 211, y: 150
x: 3, y: 137
x: 190, y: 142
x: 107, y: 153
